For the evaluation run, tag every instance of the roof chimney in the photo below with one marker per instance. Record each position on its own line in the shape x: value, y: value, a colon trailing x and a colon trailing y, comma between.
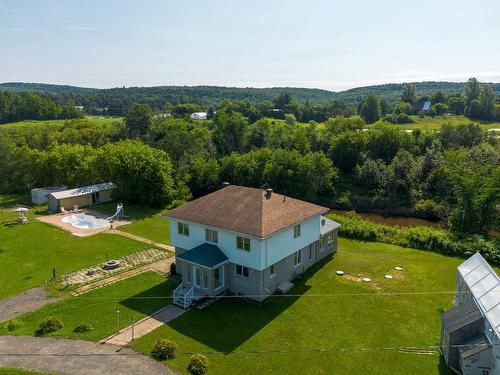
x: 269, y: 192
x: 225, y: 184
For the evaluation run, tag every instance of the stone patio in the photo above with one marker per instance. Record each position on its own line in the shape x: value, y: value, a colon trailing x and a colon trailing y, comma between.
x: 96, y: 272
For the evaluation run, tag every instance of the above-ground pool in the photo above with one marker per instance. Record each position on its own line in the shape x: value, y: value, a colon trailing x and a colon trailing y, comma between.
x: 84, y: 221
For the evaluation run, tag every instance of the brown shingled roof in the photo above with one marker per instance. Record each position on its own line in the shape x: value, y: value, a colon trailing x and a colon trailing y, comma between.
x: 246, y: 210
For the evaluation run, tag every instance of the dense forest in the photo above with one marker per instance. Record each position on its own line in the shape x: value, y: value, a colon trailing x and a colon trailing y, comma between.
x: 118, y: 99
x: 476, y: 101
x: 331, y: 156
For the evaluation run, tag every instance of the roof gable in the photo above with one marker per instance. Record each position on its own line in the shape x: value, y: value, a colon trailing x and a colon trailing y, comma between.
x: 484, y: 284
x: 246, y: 210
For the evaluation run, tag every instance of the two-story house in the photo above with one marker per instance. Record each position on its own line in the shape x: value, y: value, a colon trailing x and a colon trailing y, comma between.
x: 245, y: 240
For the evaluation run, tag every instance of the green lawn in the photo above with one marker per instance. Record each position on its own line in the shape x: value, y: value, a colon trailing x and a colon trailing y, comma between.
x: 429, y: 122
x: 147, y: 222
x: 28, y: 253
x: 130, y: 297
x: 60, y: 123
x: 18, y: 371
x: 331, y: 313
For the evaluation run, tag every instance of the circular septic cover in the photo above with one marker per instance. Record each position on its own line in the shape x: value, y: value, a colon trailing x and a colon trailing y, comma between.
x: 398, y: 268
x: 388, y: 276
x: 111, y: 264
x: 366, y: 279
x: 340, y: 273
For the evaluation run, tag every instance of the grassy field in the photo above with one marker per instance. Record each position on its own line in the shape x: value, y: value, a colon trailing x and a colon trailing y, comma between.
x: 28, y: 253
x: 98, y: 308
x: 147, y: 221
x: 17, y: 371
x: 60, y: 123
x: 436, y: 122
x: 326, y: 322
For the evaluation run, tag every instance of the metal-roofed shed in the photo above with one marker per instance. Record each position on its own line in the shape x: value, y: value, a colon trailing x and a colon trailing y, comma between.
x: 81, y: 197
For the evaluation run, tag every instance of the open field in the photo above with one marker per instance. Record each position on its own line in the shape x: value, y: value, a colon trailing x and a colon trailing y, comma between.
x: 59, y: 123
x: 307, y: 331
x: 29, y: 252
x: 131, y: 297
x: 147, y: 222
x: 436, y: 122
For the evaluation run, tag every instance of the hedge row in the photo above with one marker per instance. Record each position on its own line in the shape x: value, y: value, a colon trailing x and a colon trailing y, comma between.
x: 420, y: 237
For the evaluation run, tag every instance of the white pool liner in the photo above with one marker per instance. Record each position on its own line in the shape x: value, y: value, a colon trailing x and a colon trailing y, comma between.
x: 84, y: 221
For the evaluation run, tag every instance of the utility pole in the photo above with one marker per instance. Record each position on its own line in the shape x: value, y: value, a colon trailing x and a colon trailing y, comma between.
x: 117, y: 321
x: 133, y: 336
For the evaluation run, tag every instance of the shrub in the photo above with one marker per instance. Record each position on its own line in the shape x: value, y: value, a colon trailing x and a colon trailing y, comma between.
x: 164, y: 349
x: 49, y: 325
x: 84, y: 327
x: 198, y: 364
x: 13, y: 325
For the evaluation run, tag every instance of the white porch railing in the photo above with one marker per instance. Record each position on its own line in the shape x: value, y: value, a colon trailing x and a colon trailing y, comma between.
x: 183, y: 297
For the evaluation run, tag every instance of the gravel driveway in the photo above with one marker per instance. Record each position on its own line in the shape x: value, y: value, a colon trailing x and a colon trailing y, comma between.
x: 75, y: 357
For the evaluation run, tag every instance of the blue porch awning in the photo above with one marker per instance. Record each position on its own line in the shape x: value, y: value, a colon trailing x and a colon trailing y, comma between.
x: 206, y: 255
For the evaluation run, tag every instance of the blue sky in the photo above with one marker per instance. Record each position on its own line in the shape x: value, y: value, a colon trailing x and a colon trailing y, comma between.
x: 262, y: 43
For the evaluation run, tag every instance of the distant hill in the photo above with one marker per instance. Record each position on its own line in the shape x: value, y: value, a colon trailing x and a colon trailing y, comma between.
x: 157, y: 96
x: 44, y: 87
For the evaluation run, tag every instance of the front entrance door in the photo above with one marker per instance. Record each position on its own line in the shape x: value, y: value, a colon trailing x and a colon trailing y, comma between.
x: 197, y: 276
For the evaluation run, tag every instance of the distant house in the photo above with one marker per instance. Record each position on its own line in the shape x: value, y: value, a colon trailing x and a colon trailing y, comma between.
x: 470, y: 331
x: 246, y: 241
x: 419, y: 106
x: 82, y: 196
x: 199, y: 115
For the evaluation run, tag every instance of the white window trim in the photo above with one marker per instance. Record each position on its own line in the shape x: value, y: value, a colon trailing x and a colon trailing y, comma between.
x: 296, y: 255
x: 243, y: 276
x: 243, y: 248
x: 299, y: 230
x: 272, y: 275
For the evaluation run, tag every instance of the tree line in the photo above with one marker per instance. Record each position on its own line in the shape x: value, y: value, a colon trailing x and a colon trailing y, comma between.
x: 33, y: 106
x: 452, y: 174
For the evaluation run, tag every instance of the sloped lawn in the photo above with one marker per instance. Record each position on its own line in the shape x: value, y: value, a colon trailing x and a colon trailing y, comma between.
x: 134, y: 297
x: 147, y: 222
x: 332, y: 325
x: 29, y: 252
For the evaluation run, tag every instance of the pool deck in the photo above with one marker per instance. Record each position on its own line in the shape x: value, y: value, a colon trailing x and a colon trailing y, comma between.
x: 56, y: 219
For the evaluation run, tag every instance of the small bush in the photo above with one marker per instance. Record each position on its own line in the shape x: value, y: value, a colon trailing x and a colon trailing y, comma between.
x: 198, y: 364
x: 49, y: 325
x: 84, y: 327
x: 13, y: 325
x: 164, y: 349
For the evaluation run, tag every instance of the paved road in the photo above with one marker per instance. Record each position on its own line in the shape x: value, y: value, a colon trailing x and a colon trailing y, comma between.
x: 27, y: 301
x: 75, y: 357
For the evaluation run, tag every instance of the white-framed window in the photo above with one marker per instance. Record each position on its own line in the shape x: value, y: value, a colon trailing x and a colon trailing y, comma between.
x: 297, y: 258
x: 272, y: 271
x: 189, y: 273
x: 204, y: 280
x: 310, y: 252
x: 183, y: 229
x: 211, y: 235
x: 243, y: 243
x: 296, y: 231
x: 242, y: 271
x: 322, y: 244
x: 330, y: 238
